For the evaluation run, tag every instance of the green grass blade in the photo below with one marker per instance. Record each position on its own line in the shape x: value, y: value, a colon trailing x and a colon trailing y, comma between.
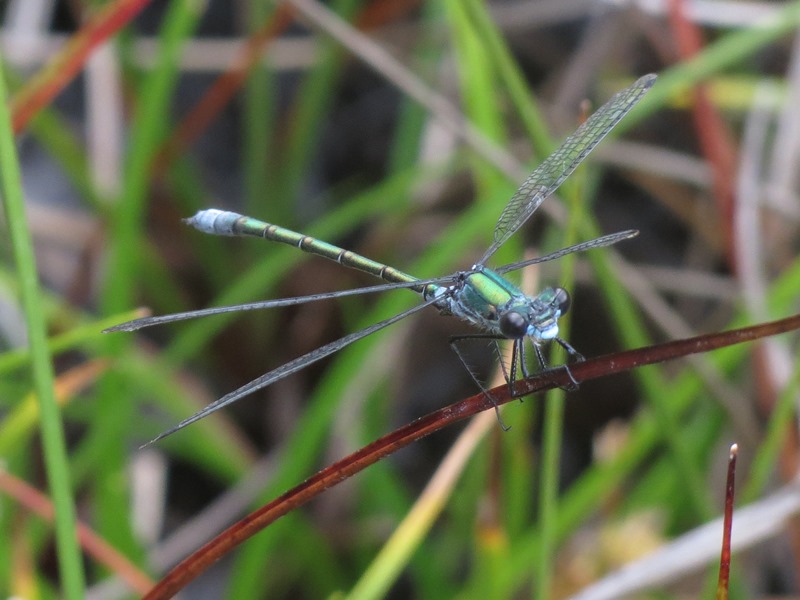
x: 55, y: 453
x: 114, y: 414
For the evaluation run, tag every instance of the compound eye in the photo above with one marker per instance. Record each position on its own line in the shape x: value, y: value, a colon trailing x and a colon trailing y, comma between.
x: 562, y: 300
x: 513, y: 325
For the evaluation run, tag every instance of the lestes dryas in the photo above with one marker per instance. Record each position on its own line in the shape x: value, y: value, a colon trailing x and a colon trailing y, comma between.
x: 480, y: 295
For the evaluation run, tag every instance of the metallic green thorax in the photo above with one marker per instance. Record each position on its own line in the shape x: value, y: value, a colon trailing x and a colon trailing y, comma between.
x: 485, y: 298
x: 484, y: 292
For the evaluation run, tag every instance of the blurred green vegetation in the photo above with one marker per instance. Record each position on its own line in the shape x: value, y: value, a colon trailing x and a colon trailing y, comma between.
x: 330, y: 148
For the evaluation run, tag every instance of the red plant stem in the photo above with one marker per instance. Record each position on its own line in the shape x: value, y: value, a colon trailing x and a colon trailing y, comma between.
x: 719, y: 149
x: 228, y: 84
x: 610, y: 364
x: 715, y: 138
x: 723, y: 582
x: 93, y: 544
x: 380, y: 12
x: 46, y: 85
x: 224, y: 88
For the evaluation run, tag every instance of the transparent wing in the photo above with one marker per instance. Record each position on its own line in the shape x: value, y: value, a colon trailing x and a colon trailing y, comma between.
x: 606, y: 240
x: 559, y: 165
x: 137, y: 324
x: 291, y: 367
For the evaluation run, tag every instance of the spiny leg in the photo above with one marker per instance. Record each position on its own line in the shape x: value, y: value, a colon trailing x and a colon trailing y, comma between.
x: 454, y: 341
x: 501, y: 360
x: 523, y: 359
x: 578, y: 358
x: 511, y: 376
x: 570, y: 350
x: 540, y: 357
x: 520, y: 358
x: 517, y: 359
x: 519, y: 362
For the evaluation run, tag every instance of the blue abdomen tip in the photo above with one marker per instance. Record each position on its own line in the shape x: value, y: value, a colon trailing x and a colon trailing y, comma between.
x: 214, y: 221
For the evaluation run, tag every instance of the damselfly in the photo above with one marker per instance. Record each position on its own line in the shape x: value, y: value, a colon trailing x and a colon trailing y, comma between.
x: 479, y: 295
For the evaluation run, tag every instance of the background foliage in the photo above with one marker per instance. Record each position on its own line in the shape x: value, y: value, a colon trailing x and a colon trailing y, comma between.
x: 397, y: 130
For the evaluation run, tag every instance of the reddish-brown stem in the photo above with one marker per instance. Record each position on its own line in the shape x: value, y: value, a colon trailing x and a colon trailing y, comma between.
x: 723, y: 583
x: 580, y: 372
x: 46, y: 85
x: 93, y: 544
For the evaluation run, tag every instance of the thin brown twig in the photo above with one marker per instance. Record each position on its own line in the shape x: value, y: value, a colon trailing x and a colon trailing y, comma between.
x: 580, y: 372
